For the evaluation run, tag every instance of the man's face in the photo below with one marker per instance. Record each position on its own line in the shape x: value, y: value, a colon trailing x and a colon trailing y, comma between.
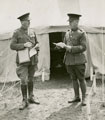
x: 74, y: 24
x: 25, y: 24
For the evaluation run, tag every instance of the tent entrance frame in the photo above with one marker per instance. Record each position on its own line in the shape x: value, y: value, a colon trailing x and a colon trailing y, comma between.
x: 57, y: 67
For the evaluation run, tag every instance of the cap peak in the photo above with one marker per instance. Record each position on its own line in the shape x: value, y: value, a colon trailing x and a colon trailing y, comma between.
x: 24, y: 17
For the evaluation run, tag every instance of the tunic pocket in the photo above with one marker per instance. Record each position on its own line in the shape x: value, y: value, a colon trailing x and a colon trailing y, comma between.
x: 80, y: 58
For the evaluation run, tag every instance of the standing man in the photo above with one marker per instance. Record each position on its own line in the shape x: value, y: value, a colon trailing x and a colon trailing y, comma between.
x: 24, y: 38
x: 75, y: 45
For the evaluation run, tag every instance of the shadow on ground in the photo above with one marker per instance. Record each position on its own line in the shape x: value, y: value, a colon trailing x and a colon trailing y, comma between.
x: 53, y: 95
x: 15, y: 114
x: 73, y: 112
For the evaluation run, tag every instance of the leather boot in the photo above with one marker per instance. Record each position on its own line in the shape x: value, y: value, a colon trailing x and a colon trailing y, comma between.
x: 24, y: 94
x: 76, y: 88
x: 75, y: 100
x: 31, y: 95
x: 83, y: 90
x: 76, y: 92
x: 84, y: 101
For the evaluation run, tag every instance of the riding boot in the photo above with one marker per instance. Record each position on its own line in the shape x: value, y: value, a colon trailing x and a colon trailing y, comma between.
x: 24, y: 95
x: 76, y: 89
x: 31, y: 95
x: 83, y: 90
x: 76, y: 92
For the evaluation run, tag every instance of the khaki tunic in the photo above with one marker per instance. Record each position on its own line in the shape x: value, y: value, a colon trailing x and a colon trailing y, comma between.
x: 19, y: 38
x: 25, y: 71
x: 76, y: 39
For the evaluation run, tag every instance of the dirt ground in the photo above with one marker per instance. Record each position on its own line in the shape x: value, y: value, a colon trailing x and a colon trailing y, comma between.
x: 53, y: 96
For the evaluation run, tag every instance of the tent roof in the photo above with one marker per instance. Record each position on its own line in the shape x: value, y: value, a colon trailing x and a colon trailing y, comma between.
x: 60, y: 28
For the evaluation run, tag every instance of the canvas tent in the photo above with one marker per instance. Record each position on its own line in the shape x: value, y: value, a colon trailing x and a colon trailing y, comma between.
x: 51, y: 22
x: 94, y: 51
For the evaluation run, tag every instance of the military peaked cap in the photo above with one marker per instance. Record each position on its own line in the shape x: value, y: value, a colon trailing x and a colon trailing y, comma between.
x: 24, y: 17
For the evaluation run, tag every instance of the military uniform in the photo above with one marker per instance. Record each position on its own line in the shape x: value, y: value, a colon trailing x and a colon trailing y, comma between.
x: 19, y: 38
x: 76, y: 39
x: 25, y: 71
x: 75, y: 60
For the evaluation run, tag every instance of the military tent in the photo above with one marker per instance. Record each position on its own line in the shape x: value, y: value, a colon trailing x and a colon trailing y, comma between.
x: 49, y: 21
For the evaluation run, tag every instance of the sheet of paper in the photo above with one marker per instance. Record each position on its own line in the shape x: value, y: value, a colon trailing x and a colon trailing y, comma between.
x: 24, y: 56
x: 32, y: 52
x: 60, y: 44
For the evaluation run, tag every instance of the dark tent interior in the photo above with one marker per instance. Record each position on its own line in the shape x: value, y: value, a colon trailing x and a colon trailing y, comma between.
x: 57, y: 67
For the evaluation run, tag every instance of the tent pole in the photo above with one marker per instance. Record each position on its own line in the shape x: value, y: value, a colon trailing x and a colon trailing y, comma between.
x: 94, y: 84
x: 103, y: 96
x: 43, y: 75
x: 91, y: 73
x: 43, y: 71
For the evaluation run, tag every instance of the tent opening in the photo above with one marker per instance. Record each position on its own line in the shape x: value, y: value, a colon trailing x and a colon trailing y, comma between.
x: 57, y: 67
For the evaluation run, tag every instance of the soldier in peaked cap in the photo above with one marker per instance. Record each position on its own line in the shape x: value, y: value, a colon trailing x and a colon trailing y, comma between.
x: 74, y: 59
x: 24, y: 38
x: 75, y: 40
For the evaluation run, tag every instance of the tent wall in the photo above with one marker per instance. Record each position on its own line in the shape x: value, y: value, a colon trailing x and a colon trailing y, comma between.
x: 93, y: 54
x: 7, y: 59
x: 44, y: 56
x: 7, y: 62
x: 96, y: 44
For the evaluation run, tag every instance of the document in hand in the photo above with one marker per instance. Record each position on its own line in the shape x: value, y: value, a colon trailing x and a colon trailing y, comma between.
x: 60, y: 44
x: 32, y: 52
x: 24, y: 55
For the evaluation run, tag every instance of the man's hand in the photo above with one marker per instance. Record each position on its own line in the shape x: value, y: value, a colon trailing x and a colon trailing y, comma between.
x: 68, y: 48
x: 37, y: 47
x: 28, y: 44
x: 57, y: 47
